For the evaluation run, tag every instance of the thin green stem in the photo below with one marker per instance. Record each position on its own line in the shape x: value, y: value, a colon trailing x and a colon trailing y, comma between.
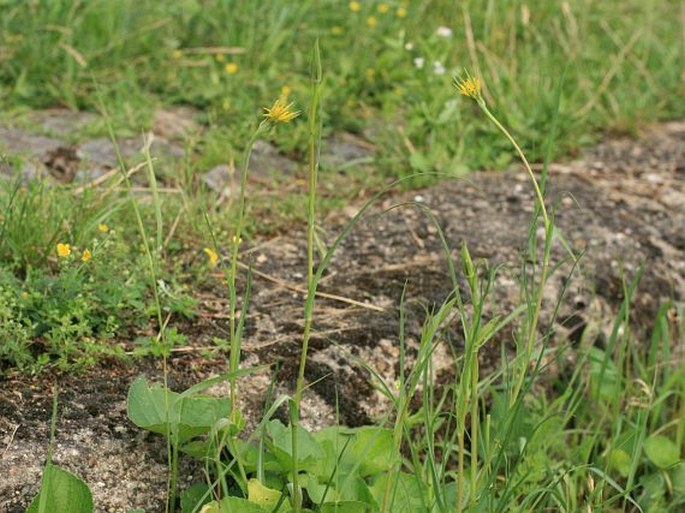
x: 234, y: 340
x: 538, y: 192
x: 548, y: 225
x: 314, y: 136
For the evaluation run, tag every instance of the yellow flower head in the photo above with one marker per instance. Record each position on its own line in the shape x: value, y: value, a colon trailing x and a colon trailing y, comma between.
x: 176, y: 54
x: 281, y: 111
x: 236, y: 240
x: 63, y: 250
x: 383, y: 8
x: 372, y: 21
x: 469, y: 86
x: 219, y: 57
x: 355, y: 6
x: 231, y: 68
x: 401, y: 12
x: 86, y: 255
x: 103, y: 227
x: 211, y: 254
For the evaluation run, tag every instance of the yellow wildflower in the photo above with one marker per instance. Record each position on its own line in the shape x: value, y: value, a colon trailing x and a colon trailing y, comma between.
x: 86, y: 255
x: 211, y: 254
x: 401, y: 12
x: 103, y: 227
x: 231, y: 68
x: 372, y: 21
x: 383, y: 8
x: 281, y: 111
x: 469, y: 86
x: 236, y: 240
x: 219, y: 57
x: 63, y: 250
x: 355, y: 6
x: 176, y: 54
x: 336, y: 31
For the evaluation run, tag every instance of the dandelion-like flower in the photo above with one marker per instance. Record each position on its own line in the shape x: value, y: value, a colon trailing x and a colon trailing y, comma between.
x: 211, y: 255
x: 85, y: 256
x: 372, y: 21
x: 281, y: 111
x: 383, y: 8
x: 401, y: 12
x: 355, y: 6
x: 469, y: 86
x: 231, y: 68
x: 63, y: 250
x: 102, y: 227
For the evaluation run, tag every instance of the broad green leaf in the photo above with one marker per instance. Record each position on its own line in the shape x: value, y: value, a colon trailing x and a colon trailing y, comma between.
x: 262, y: 495
x: 167, y: 412
x: 193, y: 495
x: 309, y: 451
x: 677, y: 475
x: 368, y: 449
x: 619, y: 460
x: 344, y: 507
x: 661, y: 451
x: 407, y: 493
x: 62, y: 491
x: 233, y: 505
x: 346, y: 489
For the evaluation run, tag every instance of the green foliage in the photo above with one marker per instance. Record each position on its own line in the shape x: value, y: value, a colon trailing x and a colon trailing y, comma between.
x: 61, y: 491
x: 179, y: 416
x: 623, y: 64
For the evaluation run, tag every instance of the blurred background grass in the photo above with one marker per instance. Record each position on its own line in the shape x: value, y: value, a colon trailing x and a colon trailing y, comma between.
x: 388, y: 68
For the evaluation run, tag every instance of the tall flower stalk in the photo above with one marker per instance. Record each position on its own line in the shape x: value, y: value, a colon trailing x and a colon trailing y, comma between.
x: 280, y: 112
x: 470, y: 87
x: 312, y: 282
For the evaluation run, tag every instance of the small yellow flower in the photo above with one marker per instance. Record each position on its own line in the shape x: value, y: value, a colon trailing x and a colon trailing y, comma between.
x: 176, y: 54
x: 211, y: 254
x: 63, y: 250
x: 383, y: 8
x: 86, y: 255
x: 103, y: 227
x: 231, y: 68
x: 236, y: 240
x: 355, y: 6
x: 219, y: 57
x: 372, y: 21
x: 281, y: 111
x: 401, y: 12
x: 469, y: 86
x: 336, y: 31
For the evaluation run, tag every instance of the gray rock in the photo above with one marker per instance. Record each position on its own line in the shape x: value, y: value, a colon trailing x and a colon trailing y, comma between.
x: 21, y: 142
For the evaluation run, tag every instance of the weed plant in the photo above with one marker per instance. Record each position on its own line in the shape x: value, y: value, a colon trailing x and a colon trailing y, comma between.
x: 607, y: 442
x: 610, y: 439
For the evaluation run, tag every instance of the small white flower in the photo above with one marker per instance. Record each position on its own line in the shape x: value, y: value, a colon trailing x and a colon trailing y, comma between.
x: 444, y: 32
x: 409, y: 46
x: 419, y: 62
x: 438, y: 68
